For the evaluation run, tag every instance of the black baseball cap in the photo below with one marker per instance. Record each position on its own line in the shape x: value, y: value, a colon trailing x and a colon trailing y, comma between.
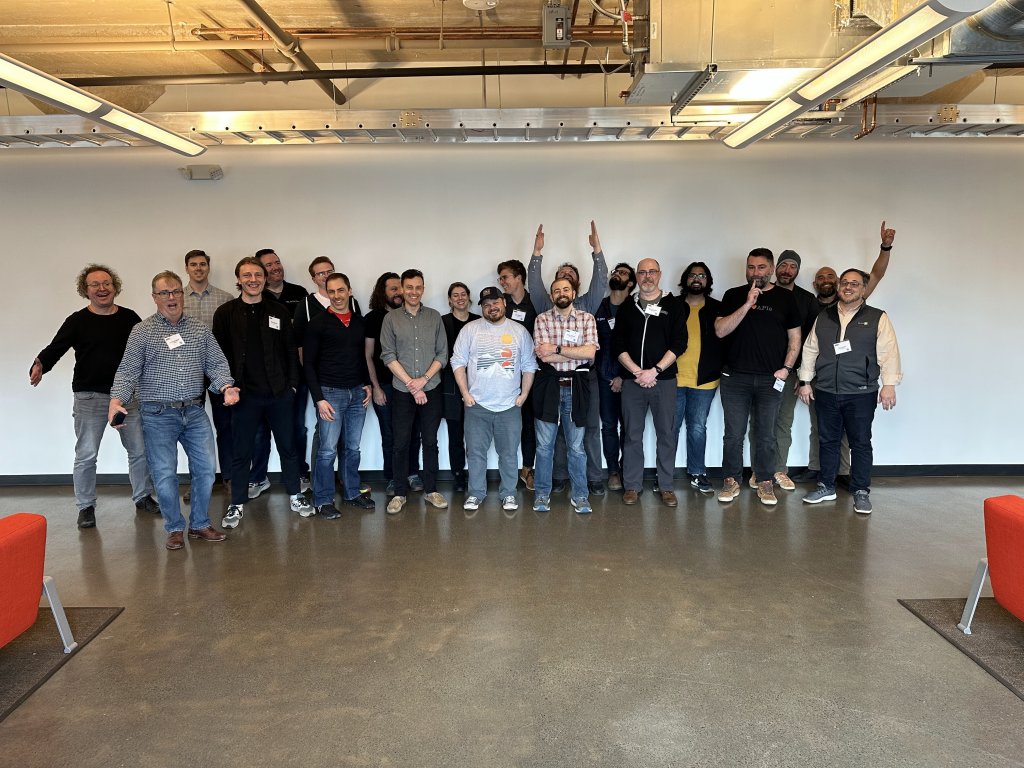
x: 490, y: 294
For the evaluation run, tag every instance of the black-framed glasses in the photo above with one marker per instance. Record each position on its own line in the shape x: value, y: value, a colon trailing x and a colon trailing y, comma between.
x: 168, y: 294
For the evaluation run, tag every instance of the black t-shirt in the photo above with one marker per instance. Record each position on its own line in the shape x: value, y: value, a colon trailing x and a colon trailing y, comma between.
x: 254, y: 378
x: 98, y: 341
x: 522, y: 313
x: 372, y: 324
x: 758, y: 344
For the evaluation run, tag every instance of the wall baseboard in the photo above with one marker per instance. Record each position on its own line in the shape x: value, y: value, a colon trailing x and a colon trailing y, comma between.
x: 377, y: 476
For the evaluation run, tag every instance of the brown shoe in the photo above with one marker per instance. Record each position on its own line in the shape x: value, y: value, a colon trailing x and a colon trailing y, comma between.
x: 668, y: 498
x: 206, y: 534
x: 614, y: 481
x: 630, y: 497
x: 526, y: 475
x: 175, y: 540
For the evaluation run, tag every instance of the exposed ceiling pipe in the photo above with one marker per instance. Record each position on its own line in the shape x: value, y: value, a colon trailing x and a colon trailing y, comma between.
x: 1003, y: 20
x: 289, y: 47
x: 376, y: 73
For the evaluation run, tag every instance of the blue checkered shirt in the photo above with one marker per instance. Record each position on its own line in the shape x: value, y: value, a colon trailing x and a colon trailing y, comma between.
x: 161, y: 374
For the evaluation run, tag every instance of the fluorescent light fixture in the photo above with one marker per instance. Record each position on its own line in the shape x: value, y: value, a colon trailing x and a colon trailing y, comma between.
x: 54, y: 91
x: 903, y: 35
x: 764, y: 84
x: 25, y: 79
x: 874, y: 84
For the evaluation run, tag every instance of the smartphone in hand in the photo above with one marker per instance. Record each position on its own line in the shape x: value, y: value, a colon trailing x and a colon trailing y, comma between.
x: 118, y: 419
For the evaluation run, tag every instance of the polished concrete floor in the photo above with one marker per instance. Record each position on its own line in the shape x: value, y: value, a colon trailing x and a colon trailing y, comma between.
x: 708, y: 635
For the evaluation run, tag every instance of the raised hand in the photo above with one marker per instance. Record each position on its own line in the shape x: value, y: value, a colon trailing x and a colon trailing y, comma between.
x: 887, y: 235
x: 538, y: 241
x: 595, y: 241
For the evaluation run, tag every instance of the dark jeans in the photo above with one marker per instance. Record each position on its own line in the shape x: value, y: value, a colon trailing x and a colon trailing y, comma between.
x: 222, y: 424
x: 404, y: 412
x: 611, y: 425
x: 744, y: 394
x: 528, y: 442
x: 248, y: 415
x: 854, y: 414
x: 457, y: 444
x: 261, y: 455
x: 387, y: 435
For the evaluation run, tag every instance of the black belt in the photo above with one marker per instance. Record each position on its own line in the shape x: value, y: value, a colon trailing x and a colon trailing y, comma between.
x: 565, y: 382
x: 176, y: 403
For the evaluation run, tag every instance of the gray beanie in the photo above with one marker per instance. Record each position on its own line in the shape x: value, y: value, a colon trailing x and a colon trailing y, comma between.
x: 789, y: 256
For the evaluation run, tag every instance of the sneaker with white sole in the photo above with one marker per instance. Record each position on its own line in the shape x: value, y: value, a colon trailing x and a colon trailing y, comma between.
x: 232, y: 517
x: 472, y: 503
x: 299, y: 504
x: 820, y: 494
x: 304, y: 484
x: 415, y: 483
x: 435, y: 499
x: 700, y: 483
x: 766, y: 493
x: 862, y: 502
x: 509, y: 504
x: 328, y: 512
x: 784, y: 482
x: 255, y: 489
x: 752, y: 482
x: 395, y: 505
x: 582, y: 506
x: 730, y: 489
x: 542, y: 504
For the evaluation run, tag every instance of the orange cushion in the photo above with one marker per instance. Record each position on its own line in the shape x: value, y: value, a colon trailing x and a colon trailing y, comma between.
x: 1004, y: 541
x: 22, y: 551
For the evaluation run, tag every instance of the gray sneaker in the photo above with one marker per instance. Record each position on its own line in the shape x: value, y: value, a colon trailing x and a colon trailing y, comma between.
x: 820, y: 494
x: 233, y: 516
x: 862, y: 502
x: 415, y: 483
x: 255, y: 489
x: 472, y: 503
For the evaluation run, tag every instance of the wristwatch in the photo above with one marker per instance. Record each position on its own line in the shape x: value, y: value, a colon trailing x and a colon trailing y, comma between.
x: 659, y: 369
x: 803, y: 383
x: 558, y: 349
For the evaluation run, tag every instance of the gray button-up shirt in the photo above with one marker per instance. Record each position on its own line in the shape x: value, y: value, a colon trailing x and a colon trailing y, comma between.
x: 201, y: 306
x: 415, y: 341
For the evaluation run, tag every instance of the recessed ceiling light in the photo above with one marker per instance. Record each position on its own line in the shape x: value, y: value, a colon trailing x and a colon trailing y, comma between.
x: 480, y: 5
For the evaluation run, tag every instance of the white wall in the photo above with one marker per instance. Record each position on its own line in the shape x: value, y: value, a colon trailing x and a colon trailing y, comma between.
x: 455, y: 212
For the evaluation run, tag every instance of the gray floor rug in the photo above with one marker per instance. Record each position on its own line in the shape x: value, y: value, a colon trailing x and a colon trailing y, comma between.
x: 30, y: 659
x: 997, y: 640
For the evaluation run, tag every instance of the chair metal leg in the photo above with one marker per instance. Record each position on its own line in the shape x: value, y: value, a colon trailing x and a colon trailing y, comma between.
x: 972, y: 598
x: 50, y: 590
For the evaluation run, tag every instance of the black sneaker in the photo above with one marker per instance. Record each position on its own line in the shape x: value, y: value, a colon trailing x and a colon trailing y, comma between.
x: 147, y: 504
x: 460, y: 482
x: 328, y: 512
x: 415, y: 483
x: 557, y: 486
x: 597, y: 488
x: 363, y: 501
x: 805, y: 476
x: 87, y: 518
x: 700, y: 482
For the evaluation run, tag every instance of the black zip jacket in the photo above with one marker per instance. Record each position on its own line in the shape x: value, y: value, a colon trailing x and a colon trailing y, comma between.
x: 647, y: 337
x: 230, y: 326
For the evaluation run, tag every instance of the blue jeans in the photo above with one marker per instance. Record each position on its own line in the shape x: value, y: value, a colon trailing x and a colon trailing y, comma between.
x: 854, y: 414
x: 611, y: 425
x: 505, y: 429
x: 349, y: 415
x: 163, y: 428
x: 693, y: 406
x: 90, y: 415
x: 546, y: 432
x: 744, y: 394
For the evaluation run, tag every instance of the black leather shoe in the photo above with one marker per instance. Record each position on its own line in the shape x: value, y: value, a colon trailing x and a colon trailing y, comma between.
x: 147, y: 504
x: 87, y: 518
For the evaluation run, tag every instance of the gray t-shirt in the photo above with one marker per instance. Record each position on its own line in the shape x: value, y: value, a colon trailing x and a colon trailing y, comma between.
x: 495, y: 357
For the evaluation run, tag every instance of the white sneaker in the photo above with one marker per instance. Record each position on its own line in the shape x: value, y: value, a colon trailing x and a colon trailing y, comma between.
x: 232, y: 517
x: 255, y: 489
x: 509, y: 503
x: 472, y: 502
x: 299, y: 504
x: 304, y: 484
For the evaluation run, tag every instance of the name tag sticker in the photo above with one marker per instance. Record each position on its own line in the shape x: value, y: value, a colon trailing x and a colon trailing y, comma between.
x: 518, y: 315
x: 174, y: 341
x: 611, y: 323
x: 652, y: 309
x: 571, y: 337
x: 275, y: 323
x: 842, y: 347
x: 779, y: 385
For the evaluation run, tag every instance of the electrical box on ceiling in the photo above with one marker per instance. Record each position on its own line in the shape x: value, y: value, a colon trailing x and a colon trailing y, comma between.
x: 202, y: 172
x: 557, y: 28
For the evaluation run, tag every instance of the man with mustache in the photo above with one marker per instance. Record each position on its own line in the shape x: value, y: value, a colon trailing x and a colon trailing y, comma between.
x: 609, y: 371
x: 98, y: 333
x: 763, y: 326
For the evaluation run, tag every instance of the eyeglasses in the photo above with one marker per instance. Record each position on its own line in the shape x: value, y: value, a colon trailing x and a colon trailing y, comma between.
x: 325, y: 273
x: 697, y: 276
x: 646, y: 272
x: 94, y: 286
x: 850, y: 284
x: 168, y: 294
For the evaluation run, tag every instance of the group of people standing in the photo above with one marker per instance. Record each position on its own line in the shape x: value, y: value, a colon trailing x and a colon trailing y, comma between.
x: 564, y: 378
